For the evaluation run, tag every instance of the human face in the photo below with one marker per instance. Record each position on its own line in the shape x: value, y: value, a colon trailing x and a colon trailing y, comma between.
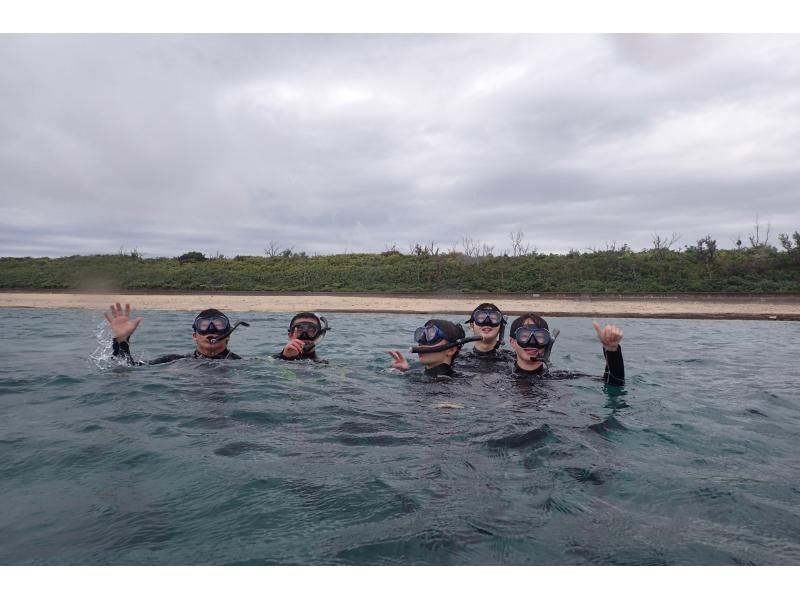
x: 527, y: 355
x: 489, y: 333
x: 487, y: 323
x: 207, y: 348
x: 435, y: 358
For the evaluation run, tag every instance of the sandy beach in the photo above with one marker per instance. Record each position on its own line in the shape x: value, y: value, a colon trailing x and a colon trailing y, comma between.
x: 745, y: 308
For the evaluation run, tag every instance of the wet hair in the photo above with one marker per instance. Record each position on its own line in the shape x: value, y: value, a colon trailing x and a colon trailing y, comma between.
x: 452, y: 332
x: 210, y: 313
x: 484, y: 306
x: 488, y: 306
x: 305, y: 315
x: 538, y: 321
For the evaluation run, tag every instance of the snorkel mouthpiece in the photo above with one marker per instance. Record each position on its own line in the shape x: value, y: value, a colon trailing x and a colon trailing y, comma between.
x: 216, y: 339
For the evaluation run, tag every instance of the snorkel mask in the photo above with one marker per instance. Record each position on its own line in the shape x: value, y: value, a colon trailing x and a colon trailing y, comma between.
x: 206, y: 324
x: 216, y: 323
x: 432, y: 333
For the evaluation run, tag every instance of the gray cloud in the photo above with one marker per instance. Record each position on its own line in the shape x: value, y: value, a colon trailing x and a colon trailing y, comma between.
x: 332, y: 143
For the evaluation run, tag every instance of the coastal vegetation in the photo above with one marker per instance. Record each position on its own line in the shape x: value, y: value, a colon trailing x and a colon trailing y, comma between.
x: 697, y: 268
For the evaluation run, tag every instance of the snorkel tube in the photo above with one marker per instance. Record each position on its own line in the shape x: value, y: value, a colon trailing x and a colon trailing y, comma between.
x: 216, y: 339
x: 546, y: 357
x: 323, y: 326
x: 500, y: 340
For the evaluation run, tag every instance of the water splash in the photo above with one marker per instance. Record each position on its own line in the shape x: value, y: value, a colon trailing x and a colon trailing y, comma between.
x: 102, y: 356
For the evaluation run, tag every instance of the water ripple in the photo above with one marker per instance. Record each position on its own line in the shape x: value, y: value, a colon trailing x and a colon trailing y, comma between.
x: 260, y: 461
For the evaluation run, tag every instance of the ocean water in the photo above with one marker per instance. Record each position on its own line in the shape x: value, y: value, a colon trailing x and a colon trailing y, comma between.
x: 694, y: 462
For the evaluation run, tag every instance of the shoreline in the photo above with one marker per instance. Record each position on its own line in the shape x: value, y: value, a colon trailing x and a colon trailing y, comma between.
x: 672, y: 306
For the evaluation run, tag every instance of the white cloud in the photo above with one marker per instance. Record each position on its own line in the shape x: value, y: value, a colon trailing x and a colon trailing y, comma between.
x: 369, y: 139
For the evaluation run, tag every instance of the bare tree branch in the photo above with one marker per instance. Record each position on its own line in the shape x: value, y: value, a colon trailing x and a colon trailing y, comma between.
x: 273, y: 250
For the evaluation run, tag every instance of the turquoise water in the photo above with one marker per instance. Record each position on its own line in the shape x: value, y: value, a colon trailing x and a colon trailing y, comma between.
x: 267, y: 462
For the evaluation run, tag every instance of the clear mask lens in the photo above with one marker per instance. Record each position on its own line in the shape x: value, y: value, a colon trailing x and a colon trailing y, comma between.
x: 427, y: 335
x: 532, y: 337
x: 487, y: 318
x: 215, y: 324
x: 307, y: 331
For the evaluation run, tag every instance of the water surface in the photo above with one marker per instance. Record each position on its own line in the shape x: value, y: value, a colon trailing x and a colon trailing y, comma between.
x: 267, y: 462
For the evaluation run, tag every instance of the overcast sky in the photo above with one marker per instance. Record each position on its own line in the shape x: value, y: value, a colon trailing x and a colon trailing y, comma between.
x: 352, y: 143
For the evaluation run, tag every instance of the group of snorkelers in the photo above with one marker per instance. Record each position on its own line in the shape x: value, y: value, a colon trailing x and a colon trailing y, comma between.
x: 211, y: 332
x: 437, y: 343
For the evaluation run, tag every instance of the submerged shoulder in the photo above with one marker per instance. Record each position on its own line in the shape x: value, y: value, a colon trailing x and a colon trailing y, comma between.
x: 443, y: 371
x: 168, y: 358
x: 564, y: 375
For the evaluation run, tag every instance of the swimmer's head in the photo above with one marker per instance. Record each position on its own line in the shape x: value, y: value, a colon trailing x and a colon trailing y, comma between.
x: 211, y: 321
x: 531, y: 338
x: 488, y: 321
x: 529, y: 318
x: 309, y: 327
x: 208, y: 326
x: 438, y: 341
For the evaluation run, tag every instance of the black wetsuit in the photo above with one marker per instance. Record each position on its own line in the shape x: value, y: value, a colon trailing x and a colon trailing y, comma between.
x: 122, y: 350
x: 614, y: 373
x: 443, y: 369
x: 486, y: 361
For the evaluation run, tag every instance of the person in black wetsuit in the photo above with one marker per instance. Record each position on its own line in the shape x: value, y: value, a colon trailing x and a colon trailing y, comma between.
x: 438, y: 344
x: 532, y: 341
x: 487, y: 321
x: 306, y: 331
x: 212, y: 330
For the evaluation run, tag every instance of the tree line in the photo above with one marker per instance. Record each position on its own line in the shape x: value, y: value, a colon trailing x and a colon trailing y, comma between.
x: 700, y: 267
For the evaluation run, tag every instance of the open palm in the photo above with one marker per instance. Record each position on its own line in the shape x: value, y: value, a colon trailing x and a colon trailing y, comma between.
x: 121, y: 323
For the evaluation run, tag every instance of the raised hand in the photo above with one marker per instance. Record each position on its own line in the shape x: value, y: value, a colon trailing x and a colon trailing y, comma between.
x: 293, y: 348
x: 121, y: 324
x: 399, y: 362
x: 609, y: 335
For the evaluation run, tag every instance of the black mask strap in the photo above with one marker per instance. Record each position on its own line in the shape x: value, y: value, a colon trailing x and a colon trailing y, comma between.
x: 450, y: 345
x: 502, y: 333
